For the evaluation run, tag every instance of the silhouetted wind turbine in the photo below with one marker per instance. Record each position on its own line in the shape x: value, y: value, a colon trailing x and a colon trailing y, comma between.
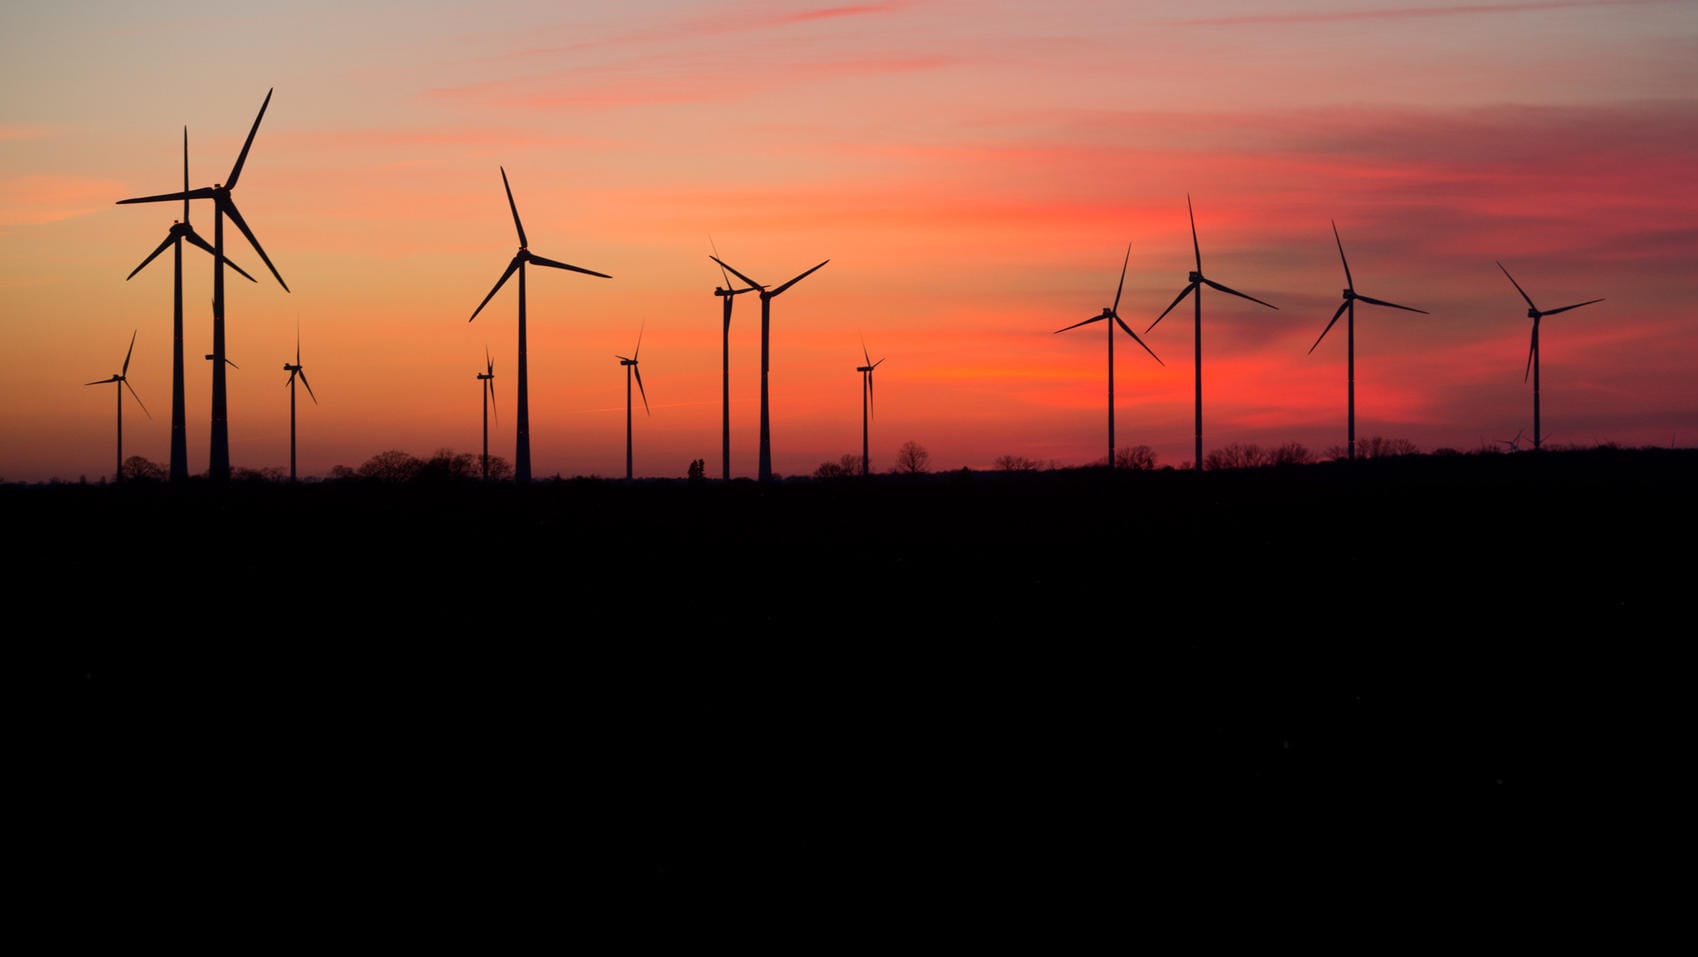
x: 1198, y: 280
x: 488, y: 390
x: 123, y: 382
x: 726, y: 293
x: 180, y: 231
x: 225, y: 206
x: 1113, y: 313
x: 767, y: 296
x: 522, y: 449
x: 631, y: 369
x: 866, y: 372
x: 295, y: 371
x: 1535, y: 313
x: 1349, y: 305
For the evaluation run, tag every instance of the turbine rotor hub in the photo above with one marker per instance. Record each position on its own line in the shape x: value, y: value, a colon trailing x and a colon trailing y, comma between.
x: 1196, y: 276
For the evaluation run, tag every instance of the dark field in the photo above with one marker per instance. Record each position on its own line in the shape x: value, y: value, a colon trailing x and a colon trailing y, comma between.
x: 1055, y: 687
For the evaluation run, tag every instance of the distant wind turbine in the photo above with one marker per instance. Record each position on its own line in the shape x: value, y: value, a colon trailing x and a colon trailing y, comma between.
x: 631, y: 369
x: 121, y: 379
x: 225, y: 207
x: 1349, y: 305
x: 296, y: 371
x: 726, y: 293
x: 767, y: 296
x: 1535, y: 313
x: 522, y: 450
x: 1112, y: 314
x: 487, y: 378
x: 866, y: 372
x: 180, y: 231
x: 1196, y: 281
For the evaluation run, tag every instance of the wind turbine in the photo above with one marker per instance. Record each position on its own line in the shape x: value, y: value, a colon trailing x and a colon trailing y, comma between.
x: 1196, y: 281
x: 631, y: 369
x: 767, y: 296
x: 225, y: 206
x: 866, y: 372
x: 295, y: 371
x: 488, y: 390
x: 1349, y: 305
x: 1113, y: 313
x: 726, y: 293
x: 522, y: 450
x: 1535, y: 313
x: 180, y: 230
x: 123, y: 382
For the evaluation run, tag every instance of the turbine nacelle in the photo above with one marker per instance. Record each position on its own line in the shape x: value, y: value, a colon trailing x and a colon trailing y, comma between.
x: 1534, y: 314
x: 1195, y: 276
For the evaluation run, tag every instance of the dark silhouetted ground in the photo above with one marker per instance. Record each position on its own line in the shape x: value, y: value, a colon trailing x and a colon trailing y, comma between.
x: 979, y: 693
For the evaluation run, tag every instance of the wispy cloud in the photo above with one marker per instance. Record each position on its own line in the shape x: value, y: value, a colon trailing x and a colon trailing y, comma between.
x: 34, y: 200
x: 10, y: 132
x: 1405, y: 13
x: 632, y: 85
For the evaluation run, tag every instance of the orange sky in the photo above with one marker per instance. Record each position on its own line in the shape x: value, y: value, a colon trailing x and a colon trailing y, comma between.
x: 974, y: 172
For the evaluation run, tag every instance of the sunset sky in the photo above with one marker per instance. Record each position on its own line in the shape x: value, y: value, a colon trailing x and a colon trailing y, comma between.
x: 974, y: 172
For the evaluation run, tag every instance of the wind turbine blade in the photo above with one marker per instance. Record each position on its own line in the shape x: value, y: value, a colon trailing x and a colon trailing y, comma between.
x: 241, y: 158
x: 1348, y: 282
x: 1532, y: 346
x: 1115, y: 309
x: 725, y: 265
x: 1134, y: 335
x: 194, y: 238
x: 1552, y: 312
x: 139, y: 402
x: 797, y: 279
x: 102, y: 381
x: 1382, y: 302
x: 514, y: 207
x: 514, y: 264
x: 1196, y: 249
x: 1330, y: 323
x: 1519, y: 289
x: 185, y: 175
x: 1182, y: 294
x: 128, y: 353
x: 489, y: 363
x: 715, y: 257
x: 304, y: 382
x: 204, y: 192
x: 870, y: 393
x: 151, y: 257
x: 878, y: 363
x: 241, y: 224
x: 1216, y: 285
x: 491, y: 384
x: 1096, y: 318
x: 538, y: 260
x: 641, y: 391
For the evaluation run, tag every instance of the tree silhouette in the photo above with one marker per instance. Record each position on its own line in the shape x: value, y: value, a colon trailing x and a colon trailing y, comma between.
x: 140, y: 469
x: 393, y: 466
x: 1376, y: 447
x: 844, y: 467
x: 912, y: 458
x: 698, y: 470
x: 1137, y: 458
